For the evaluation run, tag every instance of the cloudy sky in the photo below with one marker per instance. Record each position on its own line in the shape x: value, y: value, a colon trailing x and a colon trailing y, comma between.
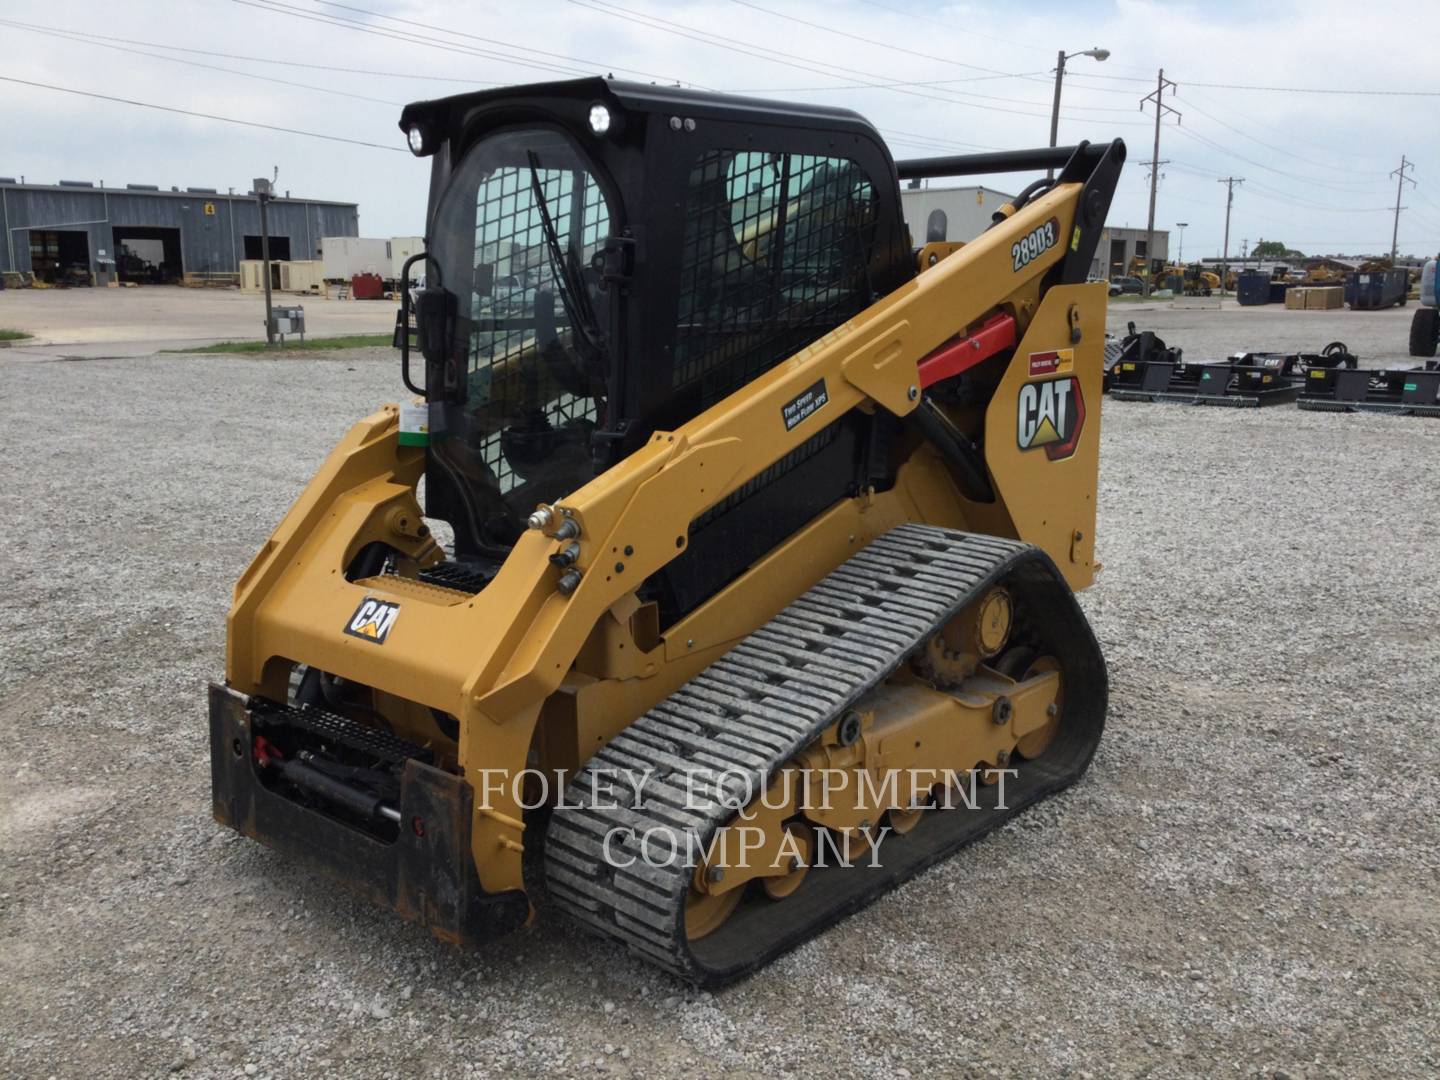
x: 935, y: 77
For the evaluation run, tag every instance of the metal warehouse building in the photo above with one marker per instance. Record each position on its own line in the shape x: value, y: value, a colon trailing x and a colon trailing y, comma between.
x: 143, y: 234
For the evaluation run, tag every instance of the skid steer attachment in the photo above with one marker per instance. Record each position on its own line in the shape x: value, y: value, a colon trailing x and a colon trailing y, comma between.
x: 761, y: 534
x: 1245, y: 380
x: 1412, y: 390
x: 1128, y: 359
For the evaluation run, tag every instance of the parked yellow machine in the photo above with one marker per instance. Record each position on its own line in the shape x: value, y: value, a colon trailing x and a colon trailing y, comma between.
x: 766, y: 529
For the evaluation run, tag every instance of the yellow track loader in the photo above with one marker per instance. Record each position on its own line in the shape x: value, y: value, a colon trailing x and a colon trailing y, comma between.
x: 754, y: 593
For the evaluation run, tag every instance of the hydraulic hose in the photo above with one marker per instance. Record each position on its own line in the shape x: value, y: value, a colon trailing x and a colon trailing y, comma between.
x: 956, y: 448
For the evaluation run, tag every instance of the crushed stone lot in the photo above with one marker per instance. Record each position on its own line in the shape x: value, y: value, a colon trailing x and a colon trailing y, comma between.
x: 1244, y: 884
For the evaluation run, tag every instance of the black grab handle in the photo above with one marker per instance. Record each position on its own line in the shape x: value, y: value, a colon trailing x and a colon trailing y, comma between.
x: 404, y: 333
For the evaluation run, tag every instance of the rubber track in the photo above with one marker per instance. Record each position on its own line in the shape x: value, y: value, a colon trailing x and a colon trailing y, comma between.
x: 749, y: 713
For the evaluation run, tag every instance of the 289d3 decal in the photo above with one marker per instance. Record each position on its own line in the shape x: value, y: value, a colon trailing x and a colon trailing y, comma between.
x: 1036, y: 242
x: 1050, y: 414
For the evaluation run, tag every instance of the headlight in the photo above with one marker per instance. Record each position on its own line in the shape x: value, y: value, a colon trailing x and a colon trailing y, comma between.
x: 599, y: 119
x: 416, y: 138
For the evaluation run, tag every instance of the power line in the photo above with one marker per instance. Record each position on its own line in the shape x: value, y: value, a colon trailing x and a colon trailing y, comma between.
x: 201, y: 115
x: 251, y: 59
x: 861, y: 86
x: 939, y: 84
x: 1335, y: 90
x: 450, y: 30
x: 970, y: 31
x: 1276, y: 149
x: 758, y: 52
x: 817, y: 67
x: 275, y: 7
x: 1191, y: 134
x: 1112, y: 78
x: 866, y: 41
x: 924, y: 143
x: 76, y: 39
x: 1352, y: 91
x: 976, y: 33
x: 915, y: 137
x: 1288, y: 133
x: 1288, y: 198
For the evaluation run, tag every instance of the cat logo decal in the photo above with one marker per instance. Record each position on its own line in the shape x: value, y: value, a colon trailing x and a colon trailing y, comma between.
x: 1050, y: 414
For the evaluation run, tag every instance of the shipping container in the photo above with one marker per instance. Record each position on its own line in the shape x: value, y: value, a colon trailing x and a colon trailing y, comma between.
x: 285, y: 277
x: 346, y: 256
x: 401, y: 248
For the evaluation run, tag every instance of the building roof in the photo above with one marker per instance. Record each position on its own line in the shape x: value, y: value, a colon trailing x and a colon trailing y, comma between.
x: 150, y: 190
x: 907, y: 190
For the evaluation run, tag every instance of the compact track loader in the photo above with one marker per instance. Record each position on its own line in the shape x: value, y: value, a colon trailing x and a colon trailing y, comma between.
x: 766, y: 533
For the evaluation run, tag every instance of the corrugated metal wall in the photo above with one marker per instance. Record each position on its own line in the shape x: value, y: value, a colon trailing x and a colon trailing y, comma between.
x: 1118, y: 245
x: 209, y: 243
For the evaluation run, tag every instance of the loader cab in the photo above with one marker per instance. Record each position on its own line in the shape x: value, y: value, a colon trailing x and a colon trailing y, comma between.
x: 609, y: 259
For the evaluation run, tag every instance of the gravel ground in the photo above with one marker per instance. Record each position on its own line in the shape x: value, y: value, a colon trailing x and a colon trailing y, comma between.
x: 1243, y: 884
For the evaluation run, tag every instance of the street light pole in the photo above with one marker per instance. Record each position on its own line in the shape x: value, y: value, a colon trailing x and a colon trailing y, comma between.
x: 1061, y: 57
x: 1055, y: 109
x: 1181, y: 226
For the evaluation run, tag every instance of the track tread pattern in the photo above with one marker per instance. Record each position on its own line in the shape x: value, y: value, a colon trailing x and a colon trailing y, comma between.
x: 746, y: 715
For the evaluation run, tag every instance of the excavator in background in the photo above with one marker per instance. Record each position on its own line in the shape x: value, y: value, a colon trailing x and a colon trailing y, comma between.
x: 761, y: 536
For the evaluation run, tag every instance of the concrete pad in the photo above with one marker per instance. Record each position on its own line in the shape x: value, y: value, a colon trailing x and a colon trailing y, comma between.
x: 99, y: 322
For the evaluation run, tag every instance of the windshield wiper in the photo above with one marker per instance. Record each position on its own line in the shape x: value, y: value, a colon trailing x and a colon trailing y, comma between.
x: 573, y: 295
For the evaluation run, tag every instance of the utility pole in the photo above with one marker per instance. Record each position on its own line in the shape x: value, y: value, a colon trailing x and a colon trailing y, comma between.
x: 1400, y: 182
x: 1229, y: 182
x: 1157, y: 97
x: 263, y: 195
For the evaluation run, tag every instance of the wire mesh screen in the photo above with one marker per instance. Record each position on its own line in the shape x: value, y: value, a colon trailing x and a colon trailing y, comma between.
x: 516, y: 399
x: 777, y: 251
x: 804, y: 452
x: 514, y: 273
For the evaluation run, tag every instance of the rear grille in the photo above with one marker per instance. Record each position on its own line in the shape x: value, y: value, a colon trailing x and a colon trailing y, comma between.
x: 808, y: 449
x: 338, y: 729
